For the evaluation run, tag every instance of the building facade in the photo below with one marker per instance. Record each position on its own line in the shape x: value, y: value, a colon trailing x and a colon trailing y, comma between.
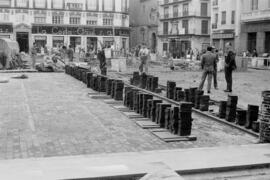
x: 225, y: 20
x: 144, y: 23
x: 79, y: 23
x: 184, y: 25
x: 255, y: 26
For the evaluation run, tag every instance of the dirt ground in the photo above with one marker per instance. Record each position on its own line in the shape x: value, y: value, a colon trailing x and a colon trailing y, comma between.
x: 247, y: 85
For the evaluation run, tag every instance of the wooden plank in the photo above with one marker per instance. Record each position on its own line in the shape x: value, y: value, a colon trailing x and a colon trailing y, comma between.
x: 169, y: 137
x: 147, y: 124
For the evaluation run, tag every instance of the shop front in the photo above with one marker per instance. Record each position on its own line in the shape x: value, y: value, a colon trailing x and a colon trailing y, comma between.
x: 178, y: 47
x: 41, y: 41
x: 220, y: 40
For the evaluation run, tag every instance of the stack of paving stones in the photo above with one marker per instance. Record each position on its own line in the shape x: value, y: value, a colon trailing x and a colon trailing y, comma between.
x: 149, y: 80
x: 265, y: 118
x: 168, y: 117
x: 160, y: 111
x: 198, y: 94
x: 192, y: 93
x: 109, y: 86
x: 149, y: 108
x: 146, y: 97
x: 102, y: 83
x: 180, y: 96
x: 231, y: 108
x: 187, y: 95
x: 174, y: 122
x: 118, y: 90
x: 185, y: 119
x: 176, y: 90
x: 154, y: 84
x: 252, y: 115
x: 89, y: 76
x: 143, y: 80
x: 154, y: 109
x: 222, y: 109
x: 204, y: 103
x: 170, y: 89
x: 241, y: 117
x: 128, y: 98
x: 136, y: 79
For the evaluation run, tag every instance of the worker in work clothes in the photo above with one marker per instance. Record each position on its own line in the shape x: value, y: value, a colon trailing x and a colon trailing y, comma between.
x: 34, y: 55
x: 144, y: 54
x: 102, y: 61
x: 208, y: 64
x: 230, y: 65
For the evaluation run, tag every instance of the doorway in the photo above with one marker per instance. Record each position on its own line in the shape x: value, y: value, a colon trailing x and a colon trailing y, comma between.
x: 154, y: 42
x: 23, y: 41
x: 75, y: 43
x: 91, y: 44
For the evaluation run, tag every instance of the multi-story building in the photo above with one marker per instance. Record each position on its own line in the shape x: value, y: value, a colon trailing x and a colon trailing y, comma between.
x: 183, y: 25
x: 225, y: 17
x: 255, y: 26
x: 80, y: 23
x: 144, y: 23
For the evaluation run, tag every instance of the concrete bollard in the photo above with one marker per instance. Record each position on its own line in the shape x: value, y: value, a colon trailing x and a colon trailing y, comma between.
x: 89, y: 75
x: 143, y: 81
x: 149, y: 108
x: 252, y: 115
x: 170, y: 89
x: 167, y: 123
x: 198, y: 94
x: 174, y: 125
x: 222, y: 109
x: 187, y: 95
x: 154, y: 84
x: 241, y: 117
x: 118, y: 90
x: 175, y: 97
x: 136, y: 79
x: 192, y: 93
x: 161, y: 114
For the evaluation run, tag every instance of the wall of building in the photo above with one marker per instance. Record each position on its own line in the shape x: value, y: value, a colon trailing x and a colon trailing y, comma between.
x: 143, y: 22
x: 24, y: 19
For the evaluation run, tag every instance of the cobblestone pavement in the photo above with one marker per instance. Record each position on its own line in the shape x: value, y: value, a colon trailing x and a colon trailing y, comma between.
x: 50, y: 114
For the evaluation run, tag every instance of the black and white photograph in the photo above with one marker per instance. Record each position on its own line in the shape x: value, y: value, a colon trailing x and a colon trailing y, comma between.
x: 134, y: 89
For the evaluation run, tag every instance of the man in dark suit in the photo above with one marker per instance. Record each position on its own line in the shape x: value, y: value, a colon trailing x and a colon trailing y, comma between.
x: 208, y: 63
x: 230, y: 65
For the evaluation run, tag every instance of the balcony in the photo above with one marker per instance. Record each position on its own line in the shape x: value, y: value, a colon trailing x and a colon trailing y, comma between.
x: 259, y: 15
x: 173, y: 2
x: 179, y: 15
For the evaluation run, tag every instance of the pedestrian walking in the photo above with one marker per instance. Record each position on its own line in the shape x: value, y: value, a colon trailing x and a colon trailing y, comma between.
x: 102, y: 61
x: 70, y: 53
x: 144, y: 54
x: 34, y: 54
x: 230, y: 65
x: 208, y: 63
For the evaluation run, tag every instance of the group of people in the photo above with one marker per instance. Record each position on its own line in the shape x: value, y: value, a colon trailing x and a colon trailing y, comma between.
x: 209, y: 62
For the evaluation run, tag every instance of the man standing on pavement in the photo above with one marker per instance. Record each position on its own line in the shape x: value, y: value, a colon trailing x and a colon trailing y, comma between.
x: 34, y: 55
x: 208, y: 63
x: 215, y: 51
x: 70, y: 53
x: 144, y: 54
x: 230, y: 65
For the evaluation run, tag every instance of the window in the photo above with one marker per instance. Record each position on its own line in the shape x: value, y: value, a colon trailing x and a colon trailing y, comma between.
x: 124, y: 5
x: 40, y: 20
x: 91, y: 22
x: 165, y: 28
x: 204, y: 9
x: 233, y: 17
x: 4, y: 17
x: 166, y: 12
x: 22, y: 3
x: 204, y: 27
x: 58, y: 19
x: 223, y: 17
x: 107, y: 21
x: 254, y: 4
x: 216, y: 18
x: 92, y: 4
x: 108, y: 5
x: 165, y: 47
x: 185, y: 9
x: 175, y: 11
x: 74, y: 20
x: 185, y: 26
x: 40, y: 3
x: 5, y: 3
x: 74, y: 6
x: 166, y: 1
x: 57, y: 4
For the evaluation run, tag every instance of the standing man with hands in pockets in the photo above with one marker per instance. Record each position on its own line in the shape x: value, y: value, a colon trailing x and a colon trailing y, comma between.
x: 208, y: 64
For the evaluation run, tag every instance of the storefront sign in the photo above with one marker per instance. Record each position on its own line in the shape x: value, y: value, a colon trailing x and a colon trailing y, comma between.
x: 223, y: 36
x: 41, y: 38
x: 58, y: 38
